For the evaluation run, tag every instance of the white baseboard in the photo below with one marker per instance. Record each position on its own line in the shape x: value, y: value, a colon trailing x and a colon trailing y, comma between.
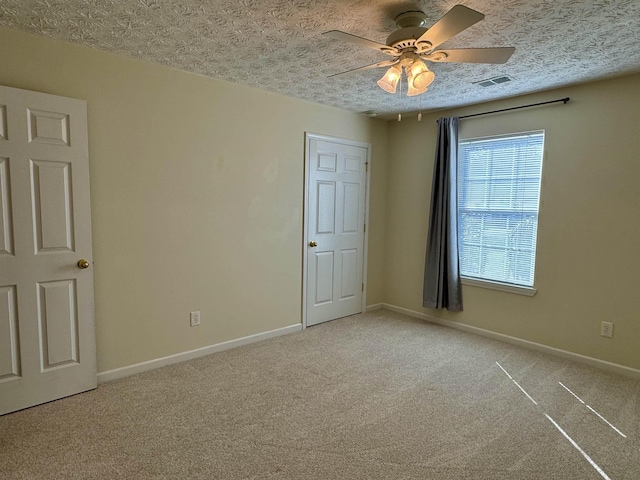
x: 373, y: 308
x: 576, y: 357
x: 191, y: 354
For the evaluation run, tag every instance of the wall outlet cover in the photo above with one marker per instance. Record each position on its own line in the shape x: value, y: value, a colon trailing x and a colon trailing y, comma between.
x: 606, y: 329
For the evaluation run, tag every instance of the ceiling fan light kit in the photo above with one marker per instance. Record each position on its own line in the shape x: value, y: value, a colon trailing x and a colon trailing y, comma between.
x: 412, y: 44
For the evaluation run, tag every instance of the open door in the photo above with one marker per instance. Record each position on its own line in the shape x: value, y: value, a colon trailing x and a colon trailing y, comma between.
x: 47, y: 339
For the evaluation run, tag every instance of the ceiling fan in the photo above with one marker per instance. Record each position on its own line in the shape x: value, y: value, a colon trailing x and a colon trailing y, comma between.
x: 412, y: 43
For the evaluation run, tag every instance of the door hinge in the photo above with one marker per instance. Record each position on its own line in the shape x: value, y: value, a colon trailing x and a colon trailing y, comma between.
x: 366, y: 166
x: 363, y: 287
x: 365, y: 227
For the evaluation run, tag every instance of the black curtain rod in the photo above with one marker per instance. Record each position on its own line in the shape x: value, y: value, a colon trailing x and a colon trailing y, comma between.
x: 563, y: 100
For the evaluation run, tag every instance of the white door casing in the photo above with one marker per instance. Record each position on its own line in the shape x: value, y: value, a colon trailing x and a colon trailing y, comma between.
x: 47, y: 339
x: 335, y: 238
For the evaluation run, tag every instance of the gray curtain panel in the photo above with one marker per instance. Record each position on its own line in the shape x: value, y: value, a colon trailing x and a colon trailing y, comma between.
x: 442, y: 287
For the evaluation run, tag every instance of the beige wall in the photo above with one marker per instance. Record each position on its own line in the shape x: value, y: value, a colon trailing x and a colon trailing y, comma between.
x: 588, y: 256
x: 197, y: 195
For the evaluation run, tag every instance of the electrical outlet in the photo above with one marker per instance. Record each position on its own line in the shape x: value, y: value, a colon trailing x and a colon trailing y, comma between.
x: 606, y: 329
x: 195, y: 319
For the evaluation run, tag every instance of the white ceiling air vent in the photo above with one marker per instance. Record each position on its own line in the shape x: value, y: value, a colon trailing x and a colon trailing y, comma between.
x: 494, y: 81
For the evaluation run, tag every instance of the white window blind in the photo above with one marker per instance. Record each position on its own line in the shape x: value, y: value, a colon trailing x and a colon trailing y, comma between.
x: 498, y: 199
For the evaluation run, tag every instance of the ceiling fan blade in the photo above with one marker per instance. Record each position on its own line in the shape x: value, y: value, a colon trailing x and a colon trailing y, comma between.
x: 472, y: 55
x: 347, y: 37
x: 386, y: 63
x: 453, y: 22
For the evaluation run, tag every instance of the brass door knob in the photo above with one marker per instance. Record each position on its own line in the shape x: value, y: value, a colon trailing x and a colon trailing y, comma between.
x: 313, y: 244
x: 82, y: 263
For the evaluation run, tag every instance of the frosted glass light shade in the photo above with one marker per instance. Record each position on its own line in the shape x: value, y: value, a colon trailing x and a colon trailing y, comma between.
x: 423, y: 80
x: 417, y: 67
x: 412, y: 90
x: 389, y: 81
x: 422, y: 76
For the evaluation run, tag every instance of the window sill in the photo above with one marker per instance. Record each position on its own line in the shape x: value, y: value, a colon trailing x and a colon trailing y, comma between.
x: 502, y: 287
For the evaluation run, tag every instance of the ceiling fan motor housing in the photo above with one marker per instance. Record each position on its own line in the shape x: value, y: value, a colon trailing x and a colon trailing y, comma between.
x: 405, y: 37
x: 411, y: 27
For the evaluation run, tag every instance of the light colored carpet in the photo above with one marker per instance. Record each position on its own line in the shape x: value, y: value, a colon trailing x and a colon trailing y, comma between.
x: 373, y: 396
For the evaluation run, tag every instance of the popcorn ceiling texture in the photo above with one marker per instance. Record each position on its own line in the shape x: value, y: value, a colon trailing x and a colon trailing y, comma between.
x: 277, y: 45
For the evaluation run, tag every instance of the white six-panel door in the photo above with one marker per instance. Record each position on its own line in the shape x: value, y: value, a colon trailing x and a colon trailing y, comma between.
x: 47, y: 340
x: 336, y: 193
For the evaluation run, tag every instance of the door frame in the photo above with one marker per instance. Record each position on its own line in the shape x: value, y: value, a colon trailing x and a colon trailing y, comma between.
x: 308, y: 136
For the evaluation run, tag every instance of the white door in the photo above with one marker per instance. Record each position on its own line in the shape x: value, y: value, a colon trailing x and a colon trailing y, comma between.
x: 335, y: 243
x: 47, y: 340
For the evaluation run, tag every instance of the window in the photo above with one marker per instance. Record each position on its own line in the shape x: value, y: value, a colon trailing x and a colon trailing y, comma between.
x: 498, y: 198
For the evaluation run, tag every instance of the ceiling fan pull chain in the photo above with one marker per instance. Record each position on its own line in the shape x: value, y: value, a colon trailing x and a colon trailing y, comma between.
x: 400, y: 93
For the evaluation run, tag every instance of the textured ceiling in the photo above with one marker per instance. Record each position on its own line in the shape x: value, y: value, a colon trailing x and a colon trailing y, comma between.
x: 277, y: 45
